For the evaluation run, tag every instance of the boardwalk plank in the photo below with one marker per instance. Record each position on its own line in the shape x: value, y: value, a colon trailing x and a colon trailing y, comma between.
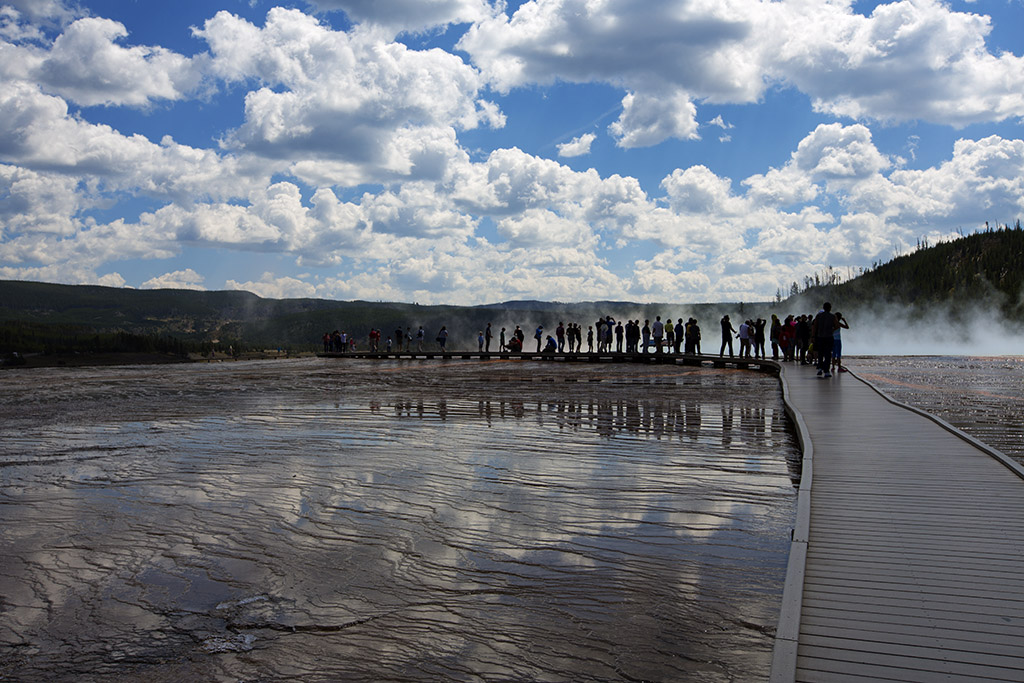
x: 821, y: 669
x: 909, y: 545
x: 869, y: 622
x: 946, y: 565
x: 928, y: 638
x: 980, y: 622
x: 845, y: 659
x: 916, y: 598
x: 922, y: 536
x: 838, y: 581
x: 965, y: 514
x: 949, y: 583
x: 856, y: 649
x: 957, y: 555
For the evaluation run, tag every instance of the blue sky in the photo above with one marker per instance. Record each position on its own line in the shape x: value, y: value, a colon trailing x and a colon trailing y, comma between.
x: 467, y: 151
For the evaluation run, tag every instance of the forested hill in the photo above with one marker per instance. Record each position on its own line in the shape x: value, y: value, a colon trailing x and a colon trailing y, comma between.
x: 150, y: 311
x: 983, y: 269
x: 30, y: 311
x: 49, y: 317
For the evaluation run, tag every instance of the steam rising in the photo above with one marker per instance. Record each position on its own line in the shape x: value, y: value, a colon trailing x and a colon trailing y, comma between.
x: 876, y: 328
x: 888, y: 329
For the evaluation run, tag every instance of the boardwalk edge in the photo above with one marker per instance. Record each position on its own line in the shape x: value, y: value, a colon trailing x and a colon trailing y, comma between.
x: 784, y: 652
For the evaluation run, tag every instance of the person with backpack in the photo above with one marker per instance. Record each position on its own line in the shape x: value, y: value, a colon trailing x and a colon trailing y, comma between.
x: 822, y: 331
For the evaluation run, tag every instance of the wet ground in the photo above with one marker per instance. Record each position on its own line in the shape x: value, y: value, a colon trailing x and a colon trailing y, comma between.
x: 409, y: 520
x: 984, y: 396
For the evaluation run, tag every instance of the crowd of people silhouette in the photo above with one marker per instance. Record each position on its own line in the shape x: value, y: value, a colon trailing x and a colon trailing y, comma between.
x: 795, y: 338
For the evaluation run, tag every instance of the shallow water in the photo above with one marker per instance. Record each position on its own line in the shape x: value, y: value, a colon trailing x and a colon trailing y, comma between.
x: 340, y: 519
x: 983, y: 396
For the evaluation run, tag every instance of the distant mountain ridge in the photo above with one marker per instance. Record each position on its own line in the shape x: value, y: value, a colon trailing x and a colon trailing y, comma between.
x: 205, y: 316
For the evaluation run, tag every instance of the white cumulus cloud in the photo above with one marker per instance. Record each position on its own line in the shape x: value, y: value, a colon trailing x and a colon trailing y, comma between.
x: 409, y: 15
x: 647, y: 120
x: 907, y: 60
x: 87, y: 65
x: 578, y: 146
x: 179, y: 279
x: 270, y: 286
x: 351, y: 107
x: 38, y: 132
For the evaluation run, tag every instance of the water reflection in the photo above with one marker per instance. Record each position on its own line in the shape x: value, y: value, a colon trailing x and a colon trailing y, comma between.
x: 324, y: 521
x: 693, y: 419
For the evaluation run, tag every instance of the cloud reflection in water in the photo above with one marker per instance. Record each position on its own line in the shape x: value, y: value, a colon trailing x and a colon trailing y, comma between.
x: 413, y: 521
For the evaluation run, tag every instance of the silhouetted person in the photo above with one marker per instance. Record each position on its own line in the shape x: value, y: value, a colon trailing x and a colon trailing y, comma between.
x: 803, y: 337
x: 775, y: 336
x: 727, y: 334
x: 759, y: 339
x: 690, y: 337
x: 823, y: 330
x: 745, y: 334
x: 837, y: 343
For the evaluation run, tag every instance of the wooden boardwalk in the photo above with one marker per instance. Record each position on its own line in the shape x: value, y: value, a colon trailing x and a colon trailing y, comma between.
x: 907, y: 562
